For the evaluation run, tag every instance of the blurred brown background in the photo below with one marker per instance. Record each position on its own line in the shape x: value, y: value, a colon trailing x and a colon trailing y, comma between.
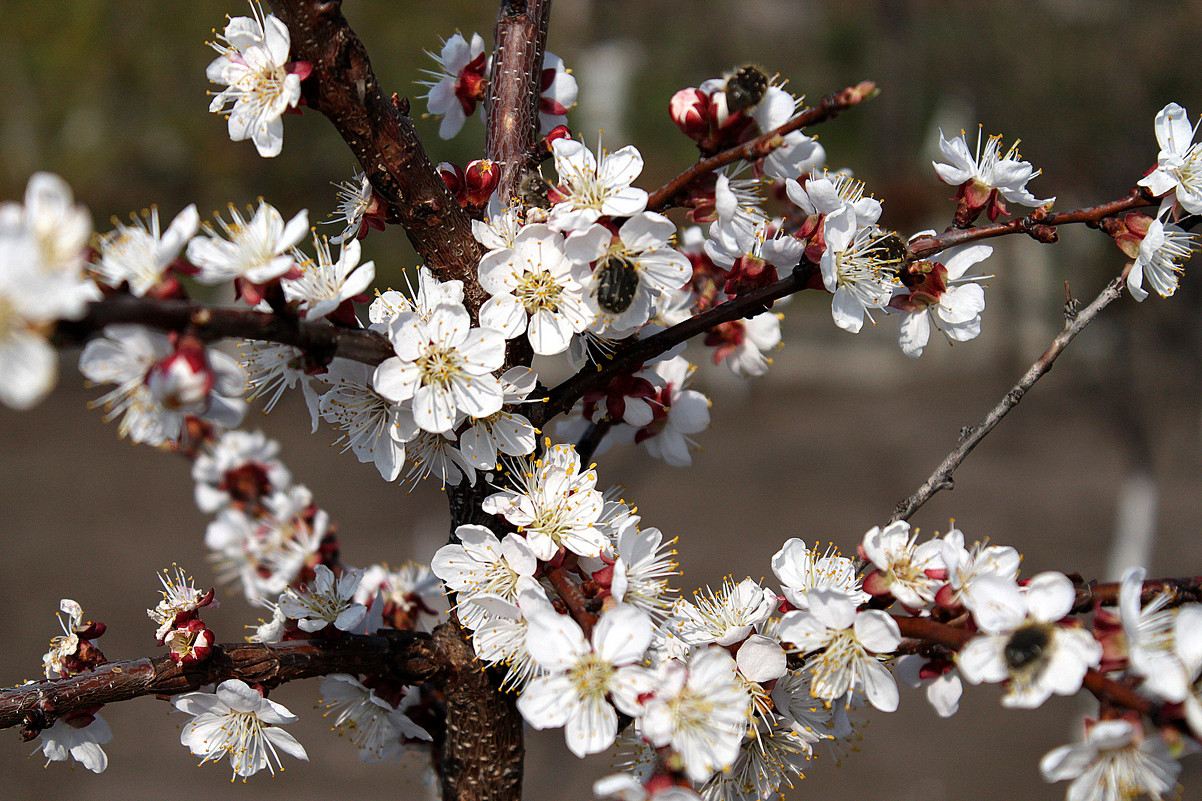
x: 111, y: 95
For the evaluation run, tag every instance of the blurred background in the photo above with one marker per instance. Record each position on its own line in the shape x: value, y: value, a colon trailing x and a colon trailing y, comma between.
x: 1096, y: 470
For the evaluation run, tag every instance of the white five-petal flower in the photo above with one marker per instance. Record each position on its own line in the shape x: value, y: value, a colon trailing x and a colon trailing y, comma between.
x: 257, y: 250
x: 326, y: 601
x: 260, y: 87
x: 238, y: 722
x: 586, y: 679
x: 592, y: 186
x: 1022, y: 642
x: 444, y: 365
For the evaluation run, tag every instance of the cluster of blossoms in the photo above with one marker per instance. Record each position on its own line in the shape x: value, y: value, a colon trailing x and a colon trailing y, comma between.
x: 270, y: 537
x: 723, y: 696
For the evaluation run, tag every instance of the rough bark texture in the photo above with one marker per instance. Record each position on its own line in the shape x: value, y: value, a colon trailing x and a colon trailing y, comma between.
x: 514, y: 88
x: 483, y: 753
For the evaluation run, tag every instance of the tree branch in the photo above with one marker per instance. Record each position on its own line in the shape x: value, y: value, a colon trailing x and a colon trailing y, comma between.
x: 1180, y: 591
x: 560, y: 399
x: 320, y: 341
x: 405, y: 656
x: 971, y: 437
x: 381, y: 135
x: 762, y: 145
x: 512, y: 126
x: 1039, y: 224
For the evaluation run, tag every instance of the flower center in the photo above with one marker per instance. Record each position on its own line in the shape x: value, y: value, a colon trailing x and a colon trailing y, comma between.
x: 438, y: 365
x: 591, y: 675
x: 538, y: 290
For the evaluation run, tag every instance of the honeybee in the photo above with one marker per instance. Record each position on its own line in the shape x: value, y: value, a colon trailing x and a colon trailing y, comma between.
x: 617, y: 283
x: 745, y: 88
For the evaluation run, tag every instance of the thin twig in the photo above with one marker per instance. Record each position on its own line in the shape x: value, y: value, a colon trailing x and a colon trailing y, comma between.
x: 1040, y: 224
x: 971, y: 437
x: 762, y: 145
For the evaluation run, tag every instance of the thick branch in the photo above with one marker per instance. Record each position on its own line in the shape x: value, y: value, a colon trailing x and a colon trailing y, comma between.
x: 404, y: 656
x: 344, y: 88
x: 762, y: 145
x: 971, y: 437
x: 512, y: 127
x: 483, y: 753
x: 560, y: 399
x: 320, y: 341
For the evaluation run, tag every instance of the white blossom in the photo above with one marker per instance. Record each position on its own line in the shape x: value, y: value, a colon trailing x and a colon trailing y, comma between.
x: 138, y: 254
x: 442, y: 99
x: 326, y: 283
x: 1179, y: 163
x: 233, y: 457
x: 945, y: 300
x: 375, y: 428
x: 1022, y: 643
x: 847, y: 642
x: 480, y: 563
x: 126, y: 356
x: 700, y: 710
x: 903, y: 567
x: 374, y: 726
x: 856, y: 268
x: 444, y: 365
x: 801, y: 569
x: 594, y: 185
x: 556, y: 504
x: 1162, y: 251
x: 1117, y: 762
x: 982, y: 173
x: 726, y: 617
x: 238, y: 722
x: 584, y: 677
x: 256, y: 249
x: 260, y: 84
x: 82, y: 743
x: 535, y: 290
x: 325, y: 601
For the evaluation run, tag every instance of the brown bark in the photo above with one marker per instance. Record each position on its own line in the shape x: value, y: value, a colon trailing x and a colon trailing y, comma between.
x: 344, y: 88
x: 403, y: 656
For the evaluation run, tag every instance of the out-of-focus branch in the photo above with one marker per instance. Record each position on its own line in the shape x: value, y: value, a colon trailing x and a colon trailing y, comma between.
x: 1039, y: 224
x: 380, y: 133
x: 560, y: 399
x: 762, y: 145
x: 520, y: 40
x: 970, y: 437
x: 1186, y: 590
x: 320, y: 341
x: 405, y: 656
